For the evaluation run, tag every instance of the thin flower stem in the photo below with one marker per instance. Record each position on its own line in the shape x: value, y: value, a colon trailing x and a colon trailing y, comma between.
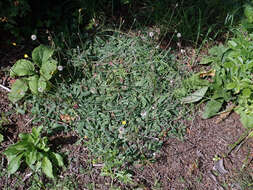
x: 5, y: 88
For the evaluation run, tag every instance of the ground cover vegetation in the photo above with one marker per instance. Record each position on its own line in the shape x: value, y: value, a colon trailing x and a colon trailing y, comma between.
x: 109, y: 76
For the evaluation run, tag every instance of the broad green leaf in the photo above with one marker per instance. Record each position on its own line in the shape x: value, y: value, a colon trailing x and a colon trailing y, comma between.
x: 246, y: 92
x: 1, y: 138
x: 196, y: 96
x: 228, y: 65
x: 247, y: 120
x: 14, y: 164
x: 248, y: 12
x: 206, y: 60
x: 59, y: 159
x: 47, y: 167
x: 41, y: 54
x: 36, y: 131
x: 212, y: 108
x: 21, y: 145
x: 42, y: 84
x: 26, y: 137
x: 231, y: 85
x: 48, y: 68
x: 22, y: 67
x: 18, y: 90
x: 31, y: 157
x: 33, y: 84
x: 11, y: 152
x: 232, y: 43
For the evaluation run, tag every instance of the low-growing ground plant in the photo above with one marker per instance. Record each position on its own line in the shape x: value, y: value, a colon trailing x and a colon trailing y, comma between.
x: 120, y: 101
x: 33, y: 75
x: 34, y: 151
x: 228, y: 85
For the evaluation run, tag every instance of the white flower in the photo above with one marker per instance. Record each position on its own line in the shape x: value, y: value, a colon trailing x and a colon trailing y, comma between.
x: 121, y: 132
x: 40, y: 89
x: 151, y: 34
x: 60, y: 68
x: 143, y: 114
x: 179, y: 35
x: 177, y: 5
x: 182, y: 51
x: 33, y: 37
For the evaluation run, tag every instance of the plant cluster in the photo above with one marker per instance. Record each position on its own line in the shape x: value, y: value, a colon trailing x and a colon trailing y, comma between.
x: 229, y: 83
x: 33, y: 75
x: 123, y: 105
x: 35, y: 151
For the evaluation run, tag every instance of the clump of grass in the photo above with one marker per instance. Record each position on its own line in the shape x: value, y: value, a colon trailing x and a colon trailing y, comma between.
x: 123, y: 105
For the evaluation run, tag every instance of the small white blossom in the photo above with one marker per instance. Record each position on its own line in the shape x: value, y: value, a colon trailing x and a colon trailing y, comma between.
x: 179, y: 35
x: 60, y: 68
x: 177, y: 5
x: 33, y: 37
x: 182, y: 51
x: 121, y: 132
x: 151, y: 34
x: 143, y: 114
x: 40, y: 89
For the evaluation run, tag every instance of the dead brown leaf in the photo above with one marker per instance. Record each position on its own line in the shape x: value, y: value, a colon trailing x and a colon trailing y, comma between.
x: 210, y: 73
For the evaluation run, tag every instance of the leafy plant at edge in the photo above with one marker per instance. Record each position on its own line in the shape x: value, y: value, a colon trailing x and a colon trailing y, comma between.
x: 229, y: 81
x: 35, y: 151
x: 3, y: 121
x: 33, y: 75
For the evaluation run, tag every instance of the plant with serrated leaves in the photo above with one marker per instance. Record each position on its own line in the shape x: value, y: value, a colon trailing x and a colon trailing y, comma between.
x: 34, y: 150
x: 33, y: 75
x: 229, y: 83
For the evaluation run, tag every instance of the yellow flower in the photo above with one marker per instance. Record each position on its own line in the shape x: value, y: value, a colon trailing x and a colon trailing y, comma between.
x: 14, y: 44
x: 123, y: 122
x: 26, y: 56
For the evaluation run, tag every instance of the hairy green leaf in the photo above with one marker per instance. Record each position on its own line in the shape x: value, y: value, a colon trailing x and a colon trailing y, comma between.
x: 22, y: 67
x: 18, y: 90
x: 48, y: 68
x: 14, y: 164
x: 47, y: 167
x: 33, y: 84
x: 196, y: 96
x: 59, y: 159
x: 41, y: 54
x: 212, y: 108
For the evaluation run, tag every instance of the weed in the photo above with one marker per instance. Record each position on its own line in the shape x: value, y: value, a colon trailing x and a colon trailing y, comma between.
x: 37, y: 80
x: 229, y: 81
x: 123, y: 106
x: 35, y: 151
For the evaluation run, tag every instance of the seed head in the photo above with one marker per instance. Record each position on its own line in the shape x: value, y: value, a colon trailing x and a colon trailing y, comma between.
x: 33, y: 37
x: 60, y: 68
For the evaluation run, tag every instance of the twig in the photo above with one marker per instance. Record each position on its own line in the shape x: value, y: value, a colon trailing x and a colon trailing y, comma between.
x: 5, y: 88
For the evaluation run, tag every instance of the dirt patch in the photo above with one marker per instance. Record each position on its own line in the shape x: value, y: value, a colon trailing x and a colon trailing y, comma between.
x: 189, y: 164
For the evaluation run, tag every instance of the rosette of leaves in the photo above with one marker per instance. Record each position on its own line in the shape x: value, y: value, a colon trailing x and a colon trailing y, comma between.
x: 34, y: 151
x: 33, y: 75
